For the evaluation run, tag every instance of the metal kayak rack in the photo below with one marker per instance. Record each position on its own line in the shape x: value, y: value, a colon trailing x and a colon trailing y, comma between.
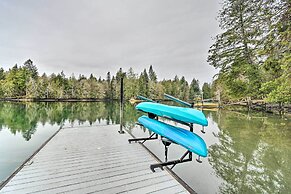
x: 166, y: 141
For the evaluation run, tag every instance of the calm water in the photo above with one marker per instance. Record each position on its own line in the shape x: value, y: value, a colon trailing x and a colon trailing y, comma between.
x: 248, y: 152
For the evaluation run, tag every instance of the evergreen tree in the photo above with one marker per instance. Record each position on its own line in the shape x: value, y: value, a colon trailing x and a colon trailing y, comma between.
x: 175, y: 86
x: 113, y: 86
x: 51, y: 93
x: 108, y: 90
x: 2, y: 74
x: 15, y: 82
x: 92, y: 77
x: 194, y: 89
x: 153, y: 92
x: 152, y: 75
x: 2, y: 81
x: 143, y: 83
x: 184, y: 89
x: 235, y: 50
x: 31, y: 88
x: 206, y: 89
x: 58, y: 84
x: 130, y: 84
x: 31, y: 69
x: 167, y: 86
x: 42, y: 86
x: 277, y: 66
x: 72, y: 86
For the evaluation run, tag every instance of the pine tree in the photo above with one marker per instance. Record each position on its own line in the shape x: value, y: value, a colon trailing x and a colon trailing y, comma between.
x: 194, y: 89
x: 277, y: 46
x: 184, y: 89
x: 130, y: 84
x: 2, y: 74
x: 31, y: 69
x: 152, y: 75
x: 113, y: 86
x: 108, y: 90
x: 2, y: 80
x: 235, y: 50
x: 176, y: 86
x: 206, y: 89
x: 153, y: 92
x: 143, y: 83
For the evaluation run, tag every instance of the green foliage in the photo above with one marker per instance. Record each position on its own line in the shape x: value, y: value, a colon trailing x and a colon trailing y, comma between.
x: 184, y: 89
x: 2, y: 75
x: 130, y: 84
x: 24, y: 82
x: 279, y: 89
x: 206, y: 89
x: 31, y: 69
x: 108, y: 89
x: 194, y: 89
x: 152, y: 74
x: 277, y: 70
x: 143, y: 83
x: 252, y: 52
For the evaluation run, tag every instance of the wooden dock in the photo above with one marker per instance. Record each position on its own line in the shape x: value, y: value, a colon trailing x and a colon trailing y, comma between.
x: 91, y: 160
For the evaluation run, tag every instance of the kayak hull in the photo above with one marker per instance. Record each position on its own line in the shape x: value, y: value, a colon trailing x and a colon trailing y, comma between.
x: 187, y: 115
x: 189, y: 140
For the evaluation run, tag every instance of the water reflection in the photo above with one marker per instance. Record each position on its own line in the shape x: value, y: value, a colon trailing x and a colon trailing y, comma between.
x: 249, y: 153
x: 23, y: 118
x: 252, y: 154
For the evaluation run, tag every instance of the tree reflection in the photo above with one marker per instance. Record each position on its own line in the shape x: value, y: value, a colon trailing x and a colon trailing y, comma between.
x: 24, y: 117
x: 251, y: 156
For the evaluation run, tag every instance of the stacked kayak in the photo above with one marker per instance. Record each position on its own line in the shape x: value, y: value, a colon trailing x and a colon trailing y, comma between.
x: 189, y: 140
x: 189, y: 116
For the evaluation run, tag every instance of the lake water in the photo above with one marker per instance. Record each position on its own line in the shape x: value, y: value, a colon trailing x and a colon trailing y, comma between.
x: 248, y: 152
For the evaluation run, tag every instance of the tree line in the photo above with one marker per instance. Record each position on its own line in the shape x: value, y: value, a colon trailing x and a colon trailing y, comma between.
x: 24, y: 82
x: 252, y: 54
x: 253, y: 51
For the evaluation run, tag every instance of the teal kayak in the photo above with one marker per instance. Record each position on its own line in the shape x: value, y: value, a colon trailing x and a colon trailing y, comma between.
x: 189, y: 140
x: 187, y: 115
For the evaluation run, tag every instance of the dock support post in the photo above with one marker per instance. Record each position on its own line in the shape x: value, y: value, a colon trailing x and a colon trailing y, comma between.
x: 121, y: 106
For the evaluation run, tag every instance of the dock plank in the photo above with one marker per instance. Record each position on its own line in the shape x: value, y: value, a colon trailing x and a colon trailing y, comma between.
x: 91, y: 160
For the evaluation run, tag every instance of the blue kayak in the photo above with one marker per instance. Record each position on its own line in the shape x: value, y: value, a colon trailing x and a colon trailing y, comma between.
x: 187, y: 115
x: 183, y: 137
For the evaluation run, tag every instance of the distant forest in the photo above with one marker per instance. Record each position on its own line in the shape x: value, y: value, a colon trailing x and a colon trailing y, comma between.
x: 24, y: 82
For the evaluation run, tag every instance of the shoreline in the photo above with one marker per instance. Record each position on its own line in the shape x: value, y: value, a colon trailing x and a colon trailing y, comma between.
x: 274, y: 108
x: 55, y: 100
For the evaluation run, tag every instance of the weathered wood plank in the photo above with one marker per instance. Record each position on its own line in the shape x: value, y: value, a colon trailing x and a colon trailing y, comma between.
x: 158, y: 187
x: 91, y: 160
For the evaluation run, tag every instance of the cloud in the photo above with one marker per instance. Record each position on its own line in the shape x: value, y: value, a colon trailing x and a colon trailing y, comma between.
x: 99, y: 36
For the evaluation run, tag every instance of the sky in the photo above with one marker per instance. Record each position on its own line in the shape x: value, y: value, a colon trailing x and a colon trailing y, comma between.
x: 97, y: 36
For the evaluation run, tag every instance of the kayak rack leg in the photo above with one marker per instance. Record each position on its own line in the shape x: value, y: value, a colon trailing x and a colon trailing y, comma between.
x: 173, y: 162
x: 199, y: 160
x: 166, y: 143
x: 143, y: 139
x: 166, y: 153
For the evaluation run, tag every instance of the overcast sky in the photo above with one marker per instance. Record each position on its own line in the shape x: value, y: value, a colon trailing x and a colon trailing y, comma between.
x: 97, y: 36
